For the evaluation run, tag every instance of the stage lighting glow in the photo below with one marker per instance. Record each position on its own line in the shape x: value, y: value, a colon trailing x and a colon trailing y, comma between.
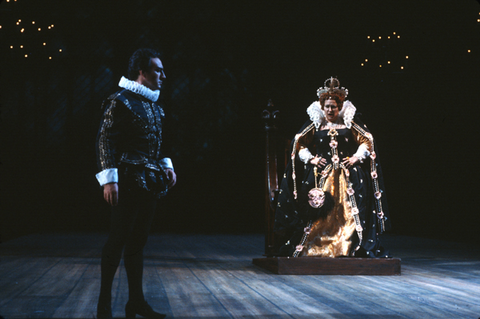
x: 18, y: 22
x: 386, y: 58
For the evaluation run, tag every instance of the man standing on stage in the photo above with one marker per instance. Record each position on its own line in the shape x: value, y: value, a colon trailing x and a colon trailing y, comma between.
x: 134, y: 174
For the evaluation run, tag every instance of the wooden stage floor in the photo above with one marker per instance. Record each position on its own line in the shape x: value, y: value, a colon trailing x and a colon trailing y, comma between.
x: 212, y: 276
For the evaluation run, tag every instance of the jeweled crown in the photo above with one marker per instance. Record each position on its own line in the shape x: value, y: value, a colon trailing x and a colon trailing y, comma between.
x: 333, y: 85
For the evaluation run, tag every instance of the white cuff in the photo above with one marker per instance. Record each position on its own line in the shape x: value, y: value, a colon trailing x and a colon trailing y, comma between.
x: 305, y: 155
x: 362, y: 153
x: 109, y: 175
x: 166, y: 163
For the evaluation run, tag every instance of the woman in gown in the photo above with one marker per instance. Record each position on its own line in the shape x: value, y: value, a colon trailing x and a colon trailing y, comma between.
x: 331, y: 200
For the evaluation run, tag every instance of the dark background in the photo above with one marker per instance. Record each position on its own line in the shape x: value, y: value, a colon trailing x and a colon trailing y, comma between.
x: 224, y: 60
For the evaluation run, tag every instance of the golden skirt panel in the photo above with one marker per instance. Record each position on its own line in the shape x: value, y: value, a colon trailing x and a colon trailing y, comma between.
x: 330, y: 236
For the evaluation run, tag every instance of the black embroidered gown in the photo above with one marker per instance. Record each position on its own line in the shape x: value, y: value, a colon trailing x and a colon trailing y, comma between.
x: 354, y: 212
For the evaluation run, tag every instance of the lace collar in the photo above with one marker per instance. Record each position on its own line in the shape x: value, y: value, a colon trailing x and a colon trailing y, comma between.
x: 139, y: 89
x: 317, y: 116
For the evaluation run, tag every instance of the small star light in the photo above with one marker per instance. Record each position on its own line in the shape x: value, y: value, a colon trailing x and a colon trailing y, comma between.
x: 398, y: 37
x: 39, y: 29
x: 469, y: 51
x: 394, y: 32
x: 368, y: 37
x: 388, y: 62
x: 21, y: 47
x: 406, y: 57
x: 380, y: 65
x: 373, y: 40
x: 379, y: 38
x: 362, y: 64
x: 44, y: 43
x: 366, y: 60
x: 60, y: 50
x: 23, y: 29
x: 18, y: 23
x: 49, y: 57
x: 33, y: 22
x: 26, y: 55
x: 11, y: 47
x: 401, y: 67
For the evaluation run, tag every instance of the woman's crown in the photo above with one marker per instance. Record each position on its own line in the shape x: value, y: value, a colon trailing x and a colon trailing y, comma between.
x: 331, y: 85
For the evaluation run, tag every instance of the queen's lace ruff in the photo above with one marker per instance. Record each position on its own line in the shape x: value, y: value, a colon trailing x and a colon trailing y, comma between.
x: 317, y: 116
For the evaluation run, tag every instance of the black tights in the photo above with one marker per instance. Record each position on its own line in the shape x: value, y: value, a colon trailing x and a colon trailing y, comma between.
x: 129, y: 228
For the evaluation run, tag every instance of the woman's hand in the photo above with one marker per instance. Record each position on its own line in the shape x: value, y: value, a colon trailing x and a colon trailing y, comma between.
x: 350, y: 161
x: 318, y: 161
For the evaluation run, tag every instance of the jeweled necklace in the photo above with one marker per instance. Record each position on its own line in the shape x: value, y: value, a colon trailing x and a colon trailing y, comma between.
x: 327, y: 124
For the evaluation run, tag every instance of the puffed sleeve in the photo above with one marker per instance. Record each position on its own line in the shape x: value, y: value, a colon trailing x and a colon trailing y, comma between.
x: 108, y: 140
x: 304, y: 142
x: 365, y: 143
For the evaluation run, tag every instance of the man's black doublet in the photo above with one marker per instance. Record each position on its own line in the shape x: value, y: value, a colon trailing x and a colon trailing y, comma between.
x: 129, y: 138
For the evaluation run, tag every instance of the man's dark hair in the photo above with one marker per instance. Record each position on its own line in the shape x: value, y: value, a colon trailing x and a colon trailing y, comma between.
x: 140, y: 60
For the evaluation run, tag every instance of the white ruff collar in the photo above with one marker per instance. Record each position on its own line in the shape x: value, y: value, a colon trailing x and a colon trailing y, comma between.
x: 317, y: 116
x: 139, y: 89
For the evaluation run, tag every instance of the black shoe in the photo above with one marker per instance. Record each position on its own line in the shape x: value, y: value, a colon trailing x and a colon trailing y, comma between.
x: 104, y: 311
x: 143, y: 309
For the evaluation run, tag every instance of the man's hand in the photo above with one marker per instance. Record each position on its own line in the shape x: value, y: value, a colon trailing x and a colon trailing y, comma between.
x: 172, y: 177
x: 110, y: 193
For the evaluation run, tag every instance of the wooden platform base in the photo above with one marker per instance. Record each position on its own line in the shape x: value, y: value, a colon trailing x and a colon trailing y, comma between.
x: 330, y: 266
